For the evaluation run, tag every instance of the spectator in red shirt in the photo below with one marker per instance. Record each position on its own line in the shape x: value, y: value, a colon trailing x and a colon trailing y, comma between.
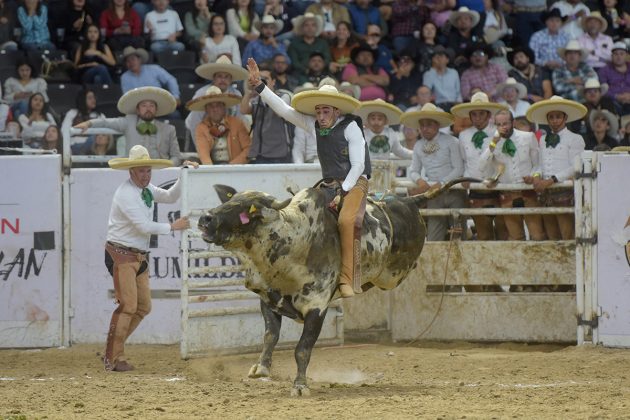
x: 122, y: 25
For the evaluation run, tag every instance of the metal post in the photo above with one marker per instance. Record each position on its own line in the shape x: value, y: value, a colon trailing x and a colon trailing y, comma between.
x: 593, y: 247
x: 184, y: 247
x: 579, y: 251
x: 66, y: 268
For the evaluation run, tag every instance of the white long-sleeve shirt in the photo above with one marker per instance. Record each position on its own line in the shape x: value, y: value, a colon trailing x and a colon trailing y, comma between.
x: 131, y: 221
x: 471, y: 154
x: 443, y: 165
x: 559, y: 161
x: 352, y: 133
x: 304, y: 145
x: 393, y: 144
x: 525, y: 162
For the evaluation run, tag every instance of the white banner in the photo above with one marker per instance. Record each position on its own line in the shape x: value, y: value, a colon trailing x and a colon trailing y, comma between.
x: 30, y: 251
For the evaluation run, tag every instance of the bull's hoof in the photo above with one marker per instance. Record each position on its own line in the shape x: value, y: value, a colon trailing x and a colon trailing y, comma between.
x: 300, y: 391
x: 258, y: 371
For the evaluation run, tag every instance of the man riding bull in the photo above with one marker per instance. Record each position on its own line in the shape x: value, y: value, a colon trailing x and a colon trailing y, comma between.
x: 343, y: 155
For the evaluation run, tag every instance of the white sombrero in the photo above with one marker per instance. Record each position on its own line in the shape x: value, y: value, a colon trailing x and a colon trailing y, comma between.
x: 166, y: 103
x: 478, y: 102
x: 511, y: 82
x: 593, y: 83
x: 298, y: 21
x: 139, y: 156
x: 537, y: 113
x: 223, y: 65
x: 613, y: 121
x: 464, y: 11
x: 573, y: 45
x: 269, y: 20
x: 213, y: 94
x: 594, y: 15
x: 391, y: 112
x: 139, y: 52
x: 428, y: 111
x: 304, y: 87
x: 306, y: 102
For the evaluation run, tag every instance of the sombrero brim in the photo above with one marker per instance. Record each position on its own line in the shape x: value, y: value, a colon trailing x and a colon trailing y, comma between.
x: 601, y: 20
x: 126, y: 163
x: 613, y: 122
x: 208, y: 70
x: 392, y: 112
x: 277, y: 23
x: 299, y: 20
x: 306, y: 102
x: 522, y: 90
x: 199, y: 104
x: 537, y: 113
x: 463, y: 110
x: 166, y: 103
x: 412, y: 119
x: 455, y: 15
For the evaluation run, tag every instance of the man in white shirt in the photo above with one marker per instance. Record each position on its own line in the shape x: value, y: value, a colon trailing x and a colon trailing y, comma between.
x: 378, y: 117
x: 473, y: 141
x: 165, y: 26
x: 343, y: 156
x: 558, y: 151
x: 517, y: 151
x: 129, y: 230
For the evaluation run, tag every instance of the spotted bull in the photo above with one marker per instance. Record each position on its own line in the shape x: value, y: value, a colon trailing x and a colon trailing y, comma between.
x: 292, y: 253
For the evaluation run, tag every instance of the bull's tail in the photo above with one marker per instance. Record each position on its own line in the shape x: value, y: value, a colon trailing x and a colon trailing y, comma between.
x: 421, y: 199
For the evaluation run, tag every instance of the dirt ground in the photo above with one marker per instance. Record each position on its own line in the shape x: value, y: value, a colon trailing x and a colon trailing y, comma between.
x: 429, y: 380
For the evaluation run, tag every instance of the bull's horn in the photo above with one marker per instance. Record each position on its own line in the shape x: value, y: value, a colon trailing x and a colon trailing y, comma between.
x: 279, y: 205
x: 420, y: 199
x: 224, y: 192
x: 492, y: 182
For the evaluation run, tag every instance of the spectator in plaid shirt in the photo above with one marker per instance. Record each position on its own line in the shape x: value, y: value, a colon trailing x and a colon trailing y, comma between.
x: 546, y: 42
x: 407, y: 17
x: 568, y: 80
x: 482, y: 74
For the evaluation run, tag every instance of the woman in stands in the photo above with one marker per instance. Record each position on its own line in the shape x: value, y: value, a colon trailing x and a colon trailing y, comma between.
x: 197, y: 24
x: 33, y: 17
x: 241, y: 22
x: 52, y: 139
x: 77, y: 18
x: 218, y: 43
x: 340, y: 48
x: 122, y: 25
x: 18, y: 90
x: 36, y: 120
x: 94, y: 59
x: 85, y: 110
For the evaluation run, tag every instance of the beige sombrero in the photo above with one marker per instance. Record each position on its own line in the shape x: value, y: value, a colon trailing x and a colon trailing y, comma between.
x: 166, y: 103
x: 594, y: 15
x: 478, y: 102
x: 213, y: 94
x: 139, y: 156
x: 464, y: 11
x: 511, y: 82
x: 593, y: 83
x: 573, y: 45
x: 269, y: 20
x: 428, y: 111
x: 299, y: 20
x: 392, y: 112
x: 140, y: 52
x: 224, y: 65
x: 306, y: 102
x: 346, y: 87
x: 537, y: 113
x: 613, y: 121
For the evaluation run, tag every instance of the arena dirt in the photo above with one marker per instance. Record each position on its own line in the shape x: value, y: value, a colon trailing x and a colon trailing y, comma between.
x: 430, y: 380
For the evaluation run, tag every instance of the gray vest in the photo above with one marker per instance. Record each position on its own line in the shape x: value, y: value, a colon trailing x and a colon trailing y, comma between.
x: 270, y: 134
x: 333, y: 153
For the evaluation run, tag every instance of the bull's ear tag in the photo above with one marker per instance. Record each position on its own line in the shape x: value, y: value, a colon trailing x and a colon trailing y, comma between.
x: 244, y: 218
x: 229, y: 195
x: 252, y: 209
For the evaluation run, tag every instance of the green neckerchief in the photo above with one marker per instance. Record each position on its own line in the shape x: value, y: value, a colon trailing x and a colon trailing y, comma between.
x: 324, y: 131
x: 478, y: 137
x: 147, y: 196
x: 552, y: 140
x: 146, y: 127
x: 509, y: 147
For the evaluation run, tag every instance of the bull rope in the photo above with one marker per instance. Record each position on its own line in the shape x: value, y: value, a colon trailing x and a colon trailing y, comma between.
x: 452, y: 232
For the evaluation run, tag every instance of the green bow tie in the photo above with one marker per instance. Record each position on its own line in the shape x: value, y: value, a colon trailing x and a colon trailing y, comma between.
x: 146, y: 127
x: 478, y: 137
x: 509, y: 148
x: 324, y: 131
x: 147, y: 196
x: 552, y: 140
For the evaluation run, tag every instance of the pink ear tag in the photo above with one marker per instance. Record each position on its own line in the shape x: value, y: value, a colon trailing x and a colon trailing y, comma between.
x: 244, y: 218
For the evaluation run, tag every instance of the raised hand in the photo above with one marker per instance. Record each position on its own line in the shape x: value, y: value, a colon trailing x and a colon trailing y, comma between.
x: 254, y: 73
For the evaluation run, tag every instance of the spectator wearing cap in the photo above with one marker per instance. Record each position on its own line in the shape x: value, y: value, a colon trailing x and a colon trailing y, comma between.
x: 512, y: 93
x: 572, y: 10
x: 482, y: 74
x: 545, y: 43
x: 463, y: 35
x: 164, y: 26
x: 331, y: 13
x: 605, y: 126
x: 364, y: 13
x: 536, y: 79
x: 404, y: 79
x: 266, y: 46
x: 382, y: 51
x: 594, y: 100
x: 306, y: 41
x: 407, y: 17
x: 363, y: 72
x: 617, y: 76
x: 593, y: 40
x: 442, y: 80
x: 422, y: 97
x: 568, y: 80
x: 316, y: 70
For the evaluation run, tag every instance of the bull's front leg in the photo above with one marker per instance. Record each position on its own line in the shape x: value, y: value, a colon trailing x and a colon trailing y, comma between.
x: 273, y: 322
x: 312, y: 327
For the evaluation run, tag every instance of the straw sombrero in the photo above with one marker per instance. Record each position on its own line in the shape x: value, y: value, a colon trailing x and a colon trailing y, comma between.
x: 511, y: 82
x: 306, y: 102
x: 139, y: 52
x: 573, y: 45
x: 224, y: 65
x: 139, y: 156
x: 593, y: 83
x: 299, y: 20
x: 464, y: 11
x: 428, y: 111
x: 269, y: 20
x: 594, y: 15
x: 537, y: 113
x: 213, y: 94
x: 478, y: 102
x: 166, y: 102
x: 392, y: 112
